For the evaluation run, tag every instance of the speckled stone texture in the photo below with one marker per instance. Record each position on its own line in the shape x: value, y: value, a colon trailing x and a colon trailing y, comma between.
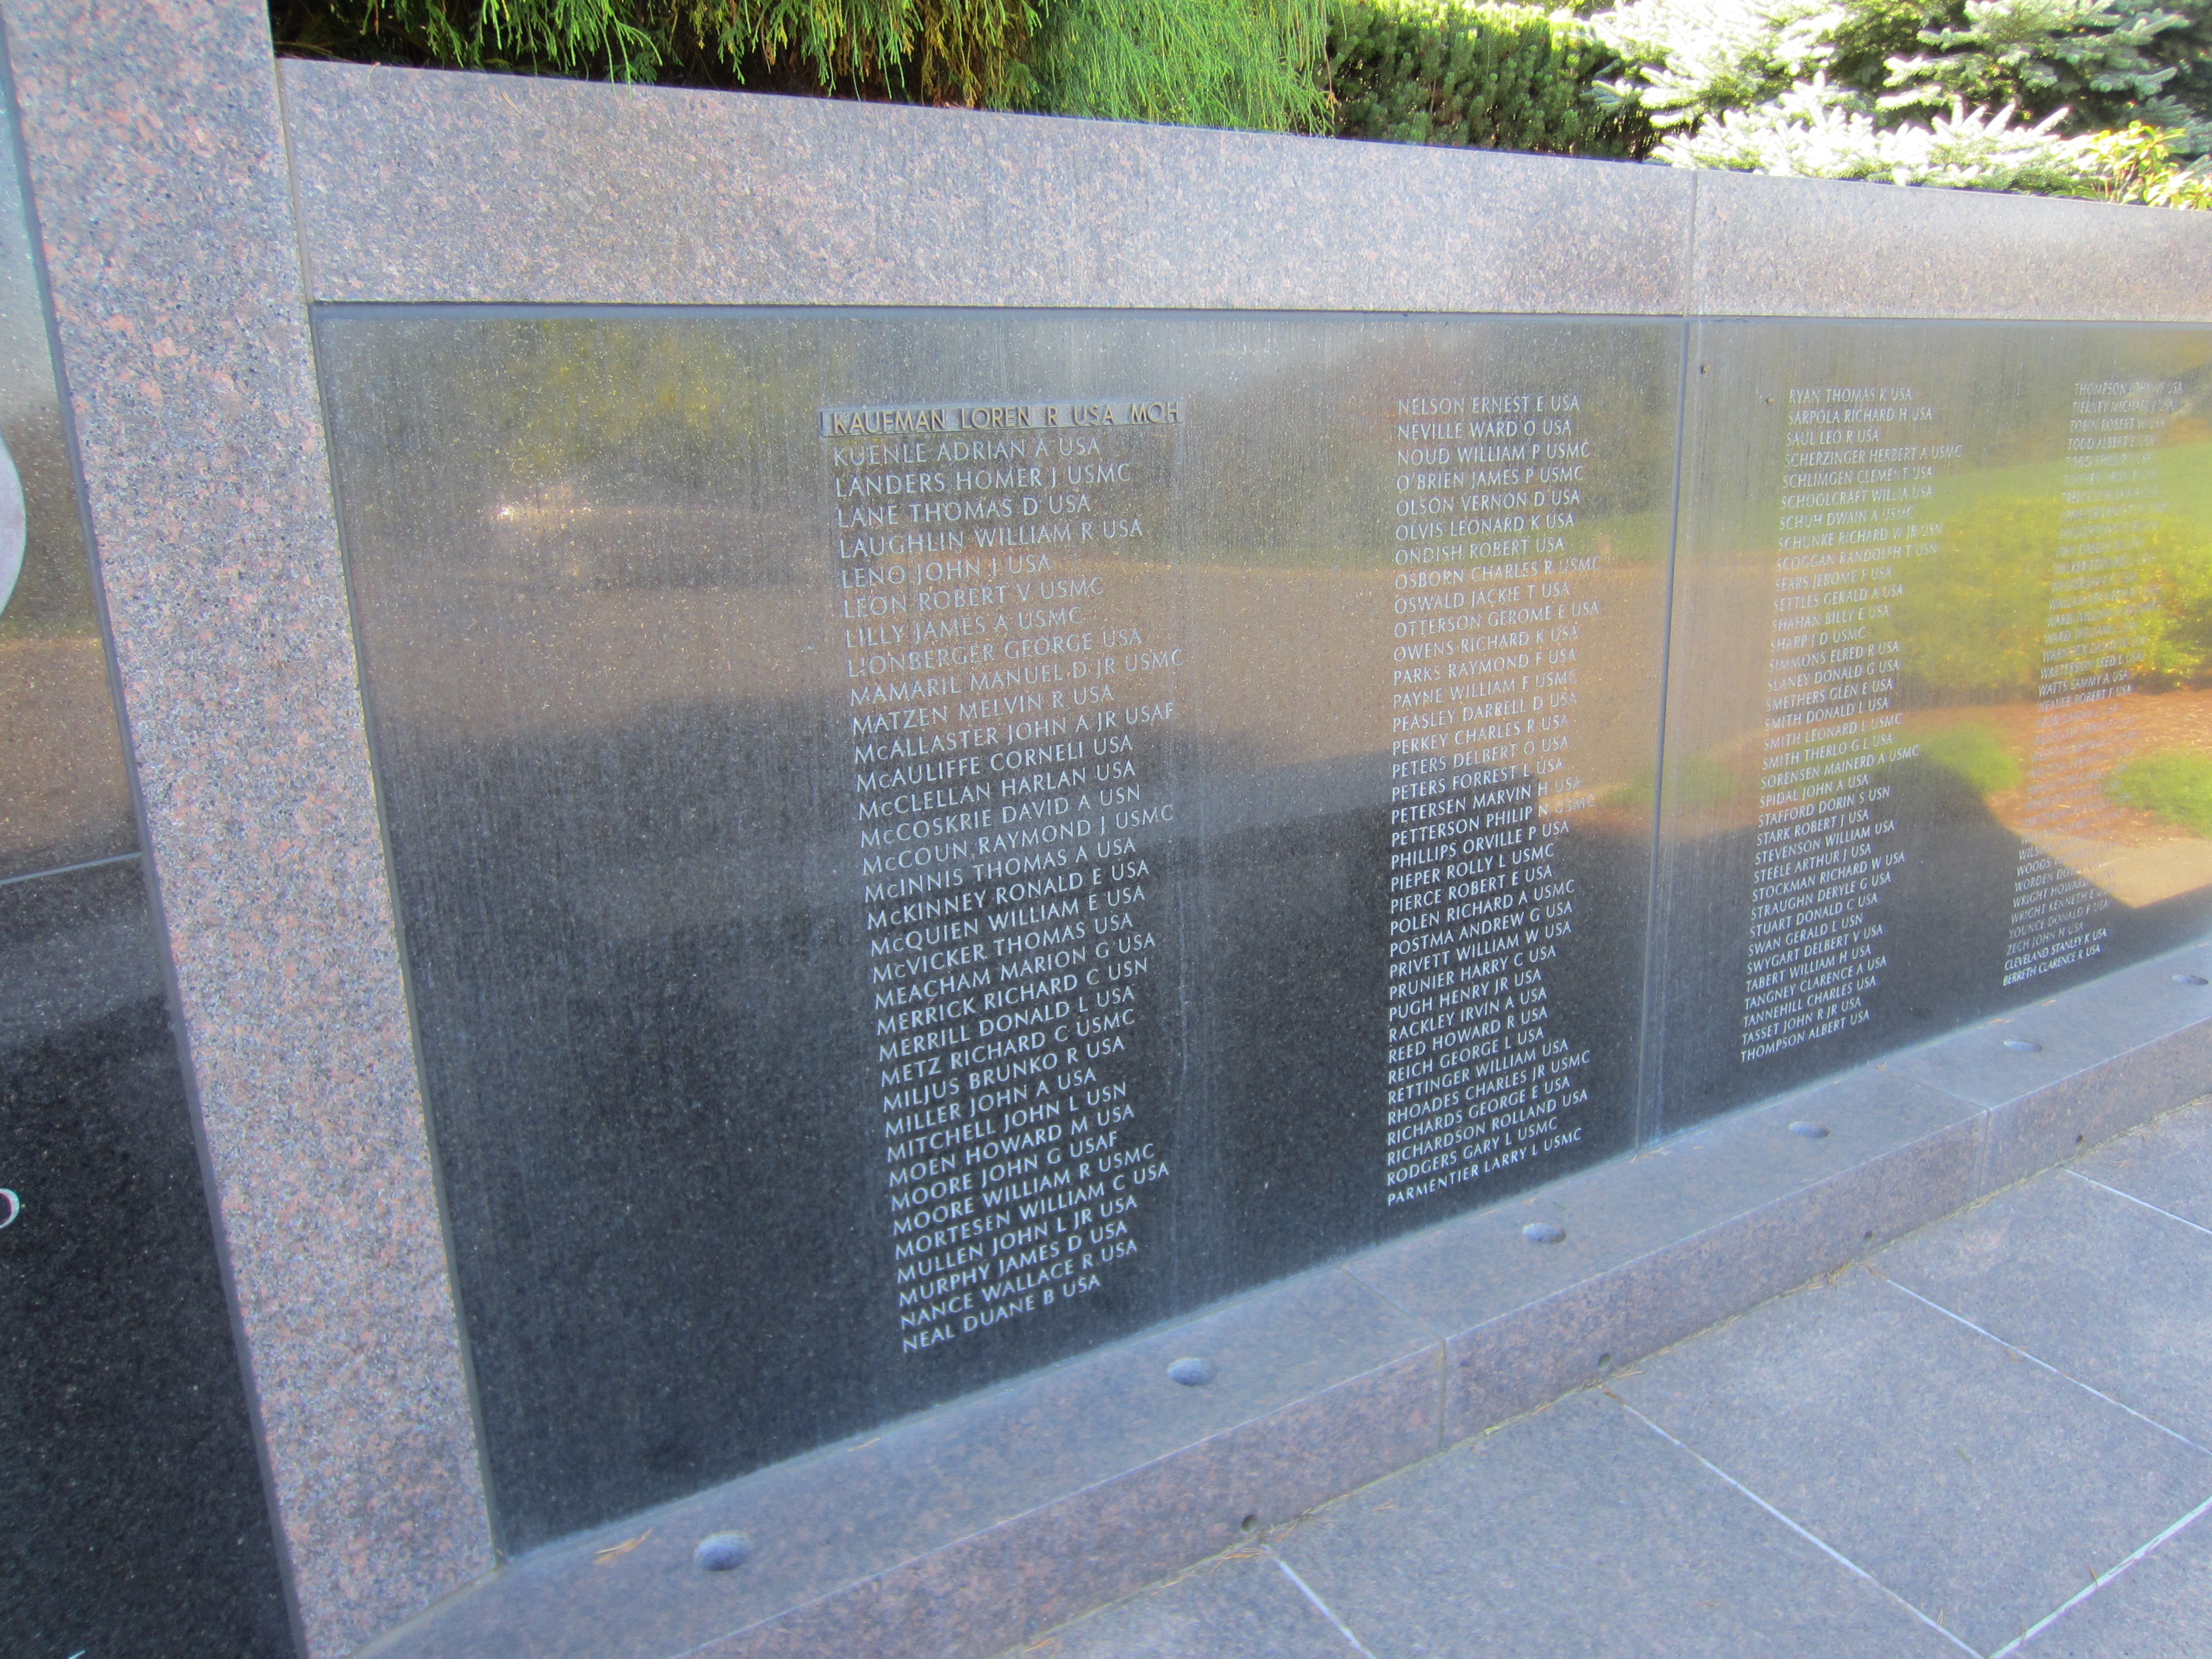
x: 417, y: 185
x: 159, y: 172
x: 1824, y: 247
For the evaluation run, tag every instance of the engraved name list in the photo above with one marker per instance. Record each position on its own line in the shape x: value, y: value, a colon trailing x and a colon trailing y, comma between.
x: 1006, y: 689
x: 1489, y: 569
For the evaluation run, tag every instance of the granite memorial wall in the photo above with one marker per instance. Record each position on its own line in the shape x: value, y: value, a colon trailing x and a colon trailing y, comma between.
x: 929, y: 840
x: 936, y: 812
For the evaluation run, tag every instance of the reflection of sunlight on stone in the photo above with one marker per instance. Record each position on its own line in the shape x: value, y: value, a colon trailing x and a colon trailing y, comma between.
x: 2133, y: 876
x: 559, y: 506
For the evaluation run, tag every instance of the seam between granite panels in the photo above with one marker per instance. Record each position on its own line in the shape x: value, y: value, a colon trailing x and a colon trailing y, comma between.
x: 1326, y: 1611
x: 1802, y: 1531
x: 2116, y: 1193
x: 2035, y: 1358
x: 1438, y: 1342
x: 2098, y: 1584
x: 1647, y: 1110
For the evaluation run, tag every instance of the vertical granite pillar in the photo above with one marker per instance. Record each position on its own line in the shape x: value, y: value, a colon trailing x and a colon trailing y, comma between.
x: 163, y: 200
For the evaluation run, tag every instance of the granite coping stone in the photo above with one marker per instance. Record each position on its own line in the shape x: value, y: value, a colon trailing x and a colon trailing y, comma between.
x: 974, y: 1525
x: 1835, y: 249
x: 431, y: 186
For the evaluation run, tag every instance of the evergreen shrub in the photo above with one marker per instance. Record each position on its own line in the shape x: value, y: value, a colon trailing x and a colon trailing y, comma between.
x: 1252, y: 64
x: 1491, y: 77
x: 971, y: 52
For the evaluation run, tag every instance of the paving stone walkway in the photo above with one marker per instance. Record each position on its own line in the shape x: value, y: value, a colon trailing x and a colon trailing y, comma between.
x: 1991, y: 1437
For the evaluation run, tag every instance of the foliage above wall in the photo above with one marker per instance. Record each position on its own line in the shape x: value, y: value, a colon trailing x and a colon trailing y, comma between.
x: 1422, y: 71
x: 1497, y: 77
x: 2110, y: 98
x: 1225, y: 62
x: 1994, y: 94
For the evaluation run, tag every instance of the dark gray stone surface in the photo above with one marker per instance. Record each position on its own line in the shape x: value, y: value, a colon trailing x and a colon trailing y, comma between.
x: 1909, y: 705
x: 1579, y: 1531
x: 132, y: 1515
x: 1158, y: 853
x: 2035, y: 1266
x: 1893, y: 1432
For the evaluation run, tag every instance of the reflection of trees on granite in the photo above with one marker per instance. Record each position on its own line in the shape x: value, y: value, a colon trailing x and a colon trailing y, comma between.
x: 1945, y: 920
x: 1975, y: 623
x: 1974, y: 616
x: 2173, y: 784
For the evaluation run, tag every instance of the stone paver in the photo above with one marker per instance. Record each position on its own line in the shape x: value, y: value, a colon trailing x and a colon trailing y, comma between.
x: 1989, y: 1439
x: 1578, y: 1530
x: 2114, y: 1294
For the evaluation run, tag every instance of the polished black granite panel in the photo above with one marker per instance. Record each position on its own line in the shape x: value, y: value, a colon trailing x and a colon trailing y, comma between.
x: 929, y: 840
x: 131, y: 1514
x: 1939, y: 730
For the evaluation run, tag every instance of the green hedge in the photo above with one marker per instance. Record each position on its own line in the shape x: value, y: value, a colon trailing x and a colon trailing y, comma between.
x: 1492, y: 77
x: 1414, y: 71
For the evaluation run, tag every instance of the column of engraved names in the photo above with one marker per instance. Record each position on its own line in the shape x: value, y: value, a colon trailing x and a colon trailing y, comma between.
x: 2092, y: 636
x: 1858, y: 466
x: 1001, y: 702
x: 1490, y: 580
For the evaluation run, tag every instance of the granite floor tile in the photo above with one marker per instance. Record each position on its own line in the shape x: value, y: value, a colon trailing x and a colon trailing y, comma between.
x: 2167, y: 1163
x: 2110, y: 1293
x: 1236, y: 1606
x: 2159, y: 1608
x: 1577, y: 1533
x: 1980, y: 1485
